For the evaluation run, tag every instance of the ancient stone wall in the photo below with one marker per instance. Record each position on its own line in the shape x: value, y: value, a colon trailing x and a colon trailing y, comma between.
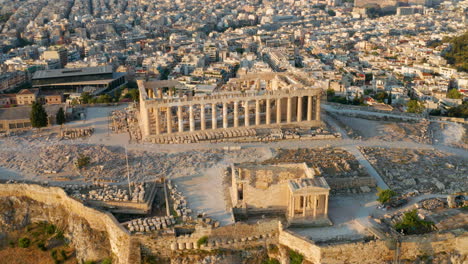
x: 242, y: 230
x: 345, y: 183
x: 378, y: 251
x: 119, y: 239
x: 302, y: 245
x: 276, y: 196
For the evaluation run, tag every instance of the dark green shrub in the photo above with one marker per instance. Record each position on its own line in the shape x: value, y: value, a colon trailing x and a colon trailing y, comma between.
x: 202, y: 241
x: 295, y: 257
x: 82, y: 161
x: 24, y: 242
x: 106, y: 261
x: 50, y: 229
x: 41, y: 246
x: 271, y: 261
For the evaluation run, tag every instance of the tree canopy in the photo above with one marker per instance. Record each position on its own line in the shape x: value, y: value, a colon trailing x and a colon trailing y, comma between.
x: 38, y: 115
x: 458, y: 54
x: 414, y: 106
x: 60, y: 117
x: 454, y: 94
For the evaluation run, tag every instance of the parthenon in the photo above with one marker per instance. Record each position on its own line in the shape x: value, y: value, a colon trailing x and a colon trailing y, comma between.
x: 243, y: 104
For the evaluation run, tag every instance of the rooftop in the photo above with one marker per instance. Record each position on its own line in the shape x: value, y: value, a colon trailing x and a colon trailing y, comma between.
x: 72, y: 72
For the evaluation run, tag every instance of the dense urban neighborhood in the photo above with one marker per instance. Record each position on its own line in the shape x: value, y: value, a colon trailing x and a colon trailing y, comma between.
x: 233, y: 131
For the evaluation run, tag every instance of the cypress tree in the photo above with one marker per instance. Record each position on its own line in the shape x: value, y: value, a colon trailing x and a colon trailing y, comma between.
x: 60, y: 117
x: 38, y: 115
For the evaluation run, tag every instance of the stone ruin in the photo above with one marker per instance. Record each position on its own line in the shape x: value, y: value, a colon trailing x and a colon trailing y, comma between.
x: 150, y: 224
x: 73, y: 133
x: 106, y: 192
x: 179, y: 203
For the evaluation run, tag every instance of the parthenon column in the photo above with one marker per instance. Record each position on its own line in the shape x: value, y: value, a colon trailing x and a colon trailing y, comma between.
x: 213, y: 116
x: 156, y: 116
x: 202, y: 117
x: 315, y: 206
x: 180, y: 119
x: 317, y: 107
x: 236, y: 114
x: 289, y: 114
x: 309, y: 108
x: 326, y: 204
x: 257, y: 112
x: 299, y: 109
x: 225, y: 119
x: 169, y: 120
x: 278, y: 111
x: 268, y: 114
x: 246, y: 114
x: 304, y: 199
x: 192, y: 119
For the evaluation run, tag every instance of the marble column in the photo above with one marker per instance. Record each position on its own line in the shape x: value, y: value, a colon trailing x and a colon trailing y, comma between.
x: 192, y: 119
x: 299, y: 109
x: 315, y: 206
x: 246, y: 114
x: 289, y: 110
x: 180, y: 119
x: 304, y: 199
x: 213, y: 116
x: 278, y: 111
x: 257, y: 112
x: 202, y: 117
x: 268, y: 111
x: 317, y: 107
x: 236, y: 114
x: 309, y: 108
x: 156, y: 116
x: 225, y: 116
x: 326, y: 204
x: 169, y: 120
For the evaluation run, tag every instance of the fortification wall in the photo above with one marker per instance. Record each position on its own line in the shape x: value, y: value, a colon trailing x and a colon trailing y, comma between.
x: 345, y: 183
x: 300, y: 244
x: 378, y: 251
x: 120, y: 241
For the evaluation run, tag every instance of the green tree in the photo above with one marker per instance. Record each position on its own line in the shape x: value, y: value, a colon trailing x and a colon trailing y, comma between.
x: 412, y: 224
x: 331, y: 13
x: 385, y: 195
x: 389, y: 100
x: 459, y: 111
x: 86, y: 98
x: 330, y: 93
x: 134, y: 94
x: 454, y: 94
x: 414, y: 106
x: 38, y: 115
x: 104, y: 99
x: 60, y: 116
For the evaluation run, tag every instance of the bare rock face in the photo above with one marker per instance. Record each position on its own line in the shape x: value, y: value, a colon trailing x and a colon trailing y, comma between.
x: 18, y: 212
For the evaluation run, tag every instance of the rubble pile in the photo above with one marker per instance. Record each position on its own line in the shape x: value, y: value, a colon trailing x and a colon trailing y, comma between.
x: 73, y: 133
x: 332, y: 162
x: 179, y: 202
x: 118, y: 122
x: 150, y: 224
x: 107, y: 162
x: 432, y: 204
x: 106, y: 192
x: 426, y: 171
